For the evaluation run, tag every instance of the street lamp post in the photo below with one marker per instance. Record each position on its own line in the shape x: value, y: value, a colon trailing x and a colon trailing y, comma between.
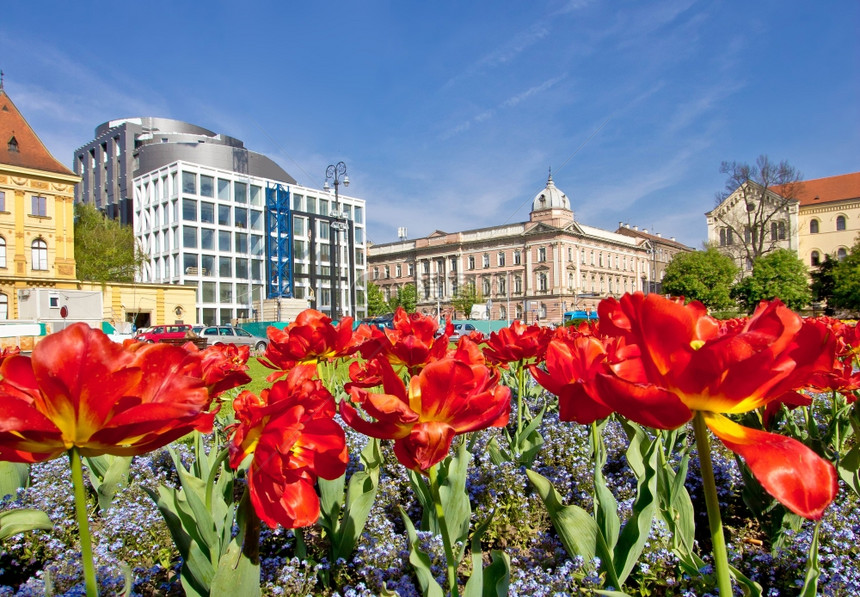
x: 337, y: 174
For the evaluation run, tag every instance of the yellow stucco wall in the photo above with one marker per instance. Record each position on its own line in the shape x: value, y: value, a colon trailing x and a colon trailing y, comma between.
x: 828, y: 240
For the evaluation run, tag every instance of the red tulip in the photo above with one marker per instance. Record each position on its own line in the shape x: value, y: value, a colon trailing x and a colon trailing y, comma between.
x: 572, y: 362
x: 412, y: 342
x: 294, y: 440
x: 517, y: 343
x: 672, y: 360
x: 310, y: 338
x: 448, y: 397
x: 81, y: 390
x: 225, y: 366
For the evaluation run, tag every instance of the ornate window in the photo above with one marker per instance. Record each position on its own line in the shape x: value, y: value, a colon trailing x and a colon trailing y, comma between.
x: 39, y: 254
x: 840, y: 222
x: 816, y: 258
x: 813, y: 227
x: 841, y: 253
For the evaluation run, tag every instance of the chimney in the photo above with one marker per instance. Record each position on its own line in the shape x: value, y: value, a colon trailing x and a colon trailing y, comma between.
x: 621, y: 224
x: 672, y: 239
x: 636, y: 228
x: 659, y: 235
x: 645, y: 230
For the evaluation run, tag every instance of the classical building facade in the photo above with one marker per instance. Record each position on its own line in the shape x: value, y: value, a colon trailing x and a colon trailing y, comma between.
x: 661, y: 251
x: 225, y: 220
x: 813, y: 218
x: 531, y: 271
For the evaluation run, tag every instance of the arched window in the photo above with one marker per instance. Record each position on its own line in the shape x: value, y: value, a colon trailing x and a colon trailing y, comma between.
x: 813, y: 227
x: 841, y: 253
x: 840, y: 222
x: 39, y: 254
x: 722, y: 237
x: 486, y: 287
x: 2, y: 252
x: 518, y: 285
x: 816, y: 258
x: 503, y: 286
x: 782, y: 231
x: 4, y: 307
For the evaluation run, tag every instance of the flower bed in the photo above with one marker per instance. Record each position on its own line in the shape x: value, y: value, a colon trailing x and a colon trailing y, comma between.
x: 508, y: 491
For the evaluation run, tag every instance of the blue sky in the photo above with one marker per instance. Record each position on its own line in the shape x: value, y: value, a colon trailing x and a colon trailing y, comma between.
x: 449, y: 114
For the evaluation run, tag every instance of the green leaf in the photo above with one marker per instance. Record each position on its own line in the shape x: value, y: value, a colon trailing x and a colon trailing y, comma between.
x: 331, y: 497
x: 236, y: 575
x: 497, y: 454
x: 13, y: 476
x: 606, y: 507
x: 813, y: 572
x: 635, y: 534
x: 108, y: 474
x: 849, y: 469
x: 23, y: 520
x: 360, y: 495
x: 420, y: 561
x: 749, y: 587
x: 199, y: 570
x: 578, y: 532
x: 455, y: 499
x: 497, y: 576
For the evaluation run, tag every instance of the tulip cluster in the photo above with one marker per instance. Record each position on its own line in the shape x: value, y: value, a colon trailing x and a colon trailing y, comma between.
x: 653, y: 361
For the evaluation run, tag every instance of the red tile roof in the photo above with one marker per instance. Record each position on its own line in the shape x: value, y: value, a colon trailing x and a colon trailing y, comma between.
x: 825, y: 190
x: 31, y: 152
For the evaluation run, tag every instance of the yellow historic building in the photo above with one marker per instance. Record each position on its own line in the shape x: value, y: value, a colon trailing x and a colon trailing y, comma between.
x: 37, y: 245
x: 37, y: 242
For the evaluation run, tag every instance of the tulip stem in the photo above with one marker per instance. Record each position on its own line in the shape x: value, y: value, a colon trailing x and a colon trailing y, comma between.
x: 443, y: 528
x: 712, y: 502
x: 83, y: 523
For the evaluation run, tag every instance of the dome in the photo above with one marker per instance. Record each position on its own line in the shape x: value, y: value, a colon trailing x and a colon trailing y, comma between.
x: 550, y: 197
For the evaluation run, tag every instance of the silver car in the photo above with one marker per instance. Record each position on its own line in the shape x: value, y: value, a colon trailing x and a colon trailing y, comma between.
x: 228, y: 334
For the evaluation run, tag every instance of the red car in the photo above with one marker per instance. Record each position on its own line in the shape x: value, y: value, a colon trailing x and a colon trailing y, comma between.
x: 164, y: 332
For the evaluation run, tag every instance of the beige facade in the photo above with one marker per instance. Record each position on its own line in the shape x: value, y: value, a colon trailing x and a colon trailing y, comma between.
x: 530, y: 271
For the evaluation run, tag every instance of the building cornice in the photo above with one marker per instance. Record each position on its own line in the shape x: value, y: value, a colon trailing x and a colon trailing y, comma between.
x: 72, y: 179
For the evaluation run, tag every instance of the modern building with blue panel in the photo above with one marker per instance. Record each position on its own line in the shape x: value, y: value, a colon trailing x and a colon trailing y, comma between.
x: 210, y: 213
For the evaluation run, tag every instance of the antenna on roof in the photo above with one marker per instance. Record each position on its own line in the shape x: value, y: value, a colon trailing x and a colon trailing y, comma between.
x: 401, y: 233
x: 1, y: 79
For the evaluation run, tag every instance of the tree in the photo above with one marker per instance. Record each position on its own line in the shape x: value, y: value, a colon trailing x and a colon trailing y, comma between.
x: 376, y: 303
x: 105, y: 250
x: 705, y: 276
x: 757, y: 219
x: 780, y: 274
x: 846, y: 278
x: 824, y: 284
x: 467, y: 296
x: 406, y: 297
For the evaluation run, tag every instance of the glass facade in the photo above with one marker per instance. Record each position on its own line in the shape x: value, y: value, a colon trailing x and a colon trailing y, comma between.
x: 209, y: 231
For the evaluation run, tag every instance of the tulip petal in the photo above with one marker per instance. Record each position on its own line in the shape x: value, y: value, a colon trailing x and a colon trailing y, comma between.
x: 645, y: 404
x: 792, y: 473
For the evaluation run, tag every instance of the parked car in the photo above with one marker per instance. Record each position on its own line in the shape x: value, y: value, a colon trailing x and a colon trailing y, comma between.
x: 381, y: 321
x: 460, y: 329
x: 228, y: 334
x: 164, y: 332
